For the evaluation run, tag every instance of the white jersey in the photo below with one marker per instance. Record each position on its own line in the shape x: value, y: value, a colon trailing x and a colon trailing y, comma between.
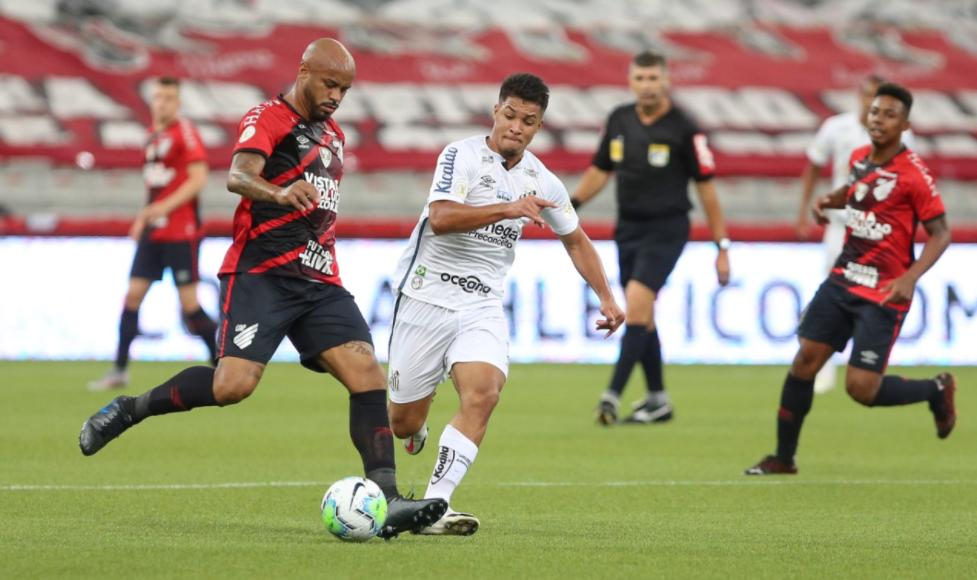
x: 466, y: 270
x: 837, y: 138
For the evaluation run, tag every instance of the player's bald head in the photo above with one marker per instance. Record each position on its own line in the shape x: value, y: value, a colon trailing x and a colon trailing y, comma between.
x: 325, y: 74
x: 328, y: 54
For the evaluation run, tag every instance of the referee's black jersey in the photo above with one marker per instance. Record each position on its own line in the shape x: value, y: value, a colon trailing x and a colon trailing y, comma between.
x: 653, y: 163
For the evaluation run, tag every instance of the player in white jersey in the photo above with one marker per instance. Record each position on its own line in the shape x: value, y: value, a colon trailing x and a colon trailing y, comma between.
x: 448, y: 317
x: 835, y: 140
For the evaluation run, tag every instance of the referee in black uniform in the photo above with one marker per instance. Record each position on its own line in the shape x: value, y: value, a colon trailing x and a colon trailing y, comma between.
x: 654, y: 148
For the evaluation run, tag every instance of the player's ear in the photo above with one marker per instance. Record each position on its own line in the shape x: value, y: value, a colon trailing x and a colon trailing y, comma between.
x: 303, y: 71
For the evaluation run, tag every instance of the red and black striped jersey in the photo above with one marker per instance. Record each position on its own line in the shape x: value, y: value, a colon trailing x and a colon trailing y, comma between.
x: 884, y: 205
x: 169, y: 150
x: 280, y: 239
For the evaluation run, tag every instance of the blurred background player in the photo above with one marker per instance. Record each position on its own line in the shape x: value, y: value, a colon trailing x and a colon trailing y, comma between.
x: 869, y: 290
x: 448, y: 317
x: 168, y: 228
x: 653, y: 148
x: 837, y: 137
x: 280, y: 278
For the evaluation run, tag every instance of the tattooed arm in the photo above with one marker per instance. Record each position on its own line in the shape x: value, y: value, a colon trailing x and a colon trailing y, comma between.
x: 245, y: 179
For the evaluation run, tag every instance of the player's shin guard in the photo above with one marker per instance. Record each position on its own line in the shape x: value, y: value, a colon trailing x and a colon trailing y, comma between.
x: 455, y: 457
x: 895, y: 391
x: 128, y: 329
x: 369, y: 427
x: 189, y: 389
x: 199, y: 324
x: 795, y: 402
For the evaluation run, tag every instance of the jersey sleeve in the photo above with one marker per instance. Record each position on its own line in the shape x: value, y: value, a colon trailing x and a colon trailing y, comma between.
x: 602, y: 158
x: 453, y: 174
x: 258, y: 133
x: 562, y: 218
x: 819, y: 151
x: 925, y: 197
x: 193, y: 147
x: 701, y: 162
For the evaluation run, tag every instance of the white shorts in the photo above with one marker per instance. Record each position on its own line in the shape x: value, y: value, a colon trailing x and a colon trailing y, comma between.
x: 427, y: 340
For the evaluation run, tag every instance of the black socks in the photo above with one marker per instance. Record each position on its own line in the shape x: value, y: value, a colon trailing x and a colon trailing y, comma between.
x: 651, y: 361
x: 189, y: 389
x: 896, y: 391
x: 795, y: 402
x: 632, y: 347
x: 369, y: 427
x: 199, y: 324
x: 128, y: 329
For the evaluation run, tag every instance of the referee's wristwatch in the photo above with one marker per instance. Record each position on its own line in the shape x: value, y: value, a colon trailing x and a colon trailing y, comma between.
x: 723, y: 243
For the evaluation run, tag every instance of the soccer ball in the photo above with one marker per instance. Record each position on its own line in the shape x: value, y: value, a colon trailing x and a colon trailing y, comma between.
x: 354, y: 509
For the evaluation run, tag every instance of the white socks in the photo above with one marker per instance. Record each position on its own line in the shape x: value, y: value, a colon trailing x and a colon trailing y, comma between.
x: 455, y: 455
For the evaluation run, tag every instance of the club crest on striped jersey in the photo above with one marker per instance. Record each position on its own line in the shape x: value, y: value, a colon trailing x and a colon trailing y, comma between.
x: 326, y: 155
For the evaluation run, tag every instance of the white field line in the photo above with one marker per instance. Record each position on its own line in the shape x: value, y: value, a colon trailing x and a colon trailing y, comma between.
x: 753, y: 481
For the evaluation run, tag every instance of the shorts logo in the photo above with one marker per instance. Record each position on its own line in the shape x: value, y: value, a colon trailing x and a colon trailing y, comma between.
x: 658, y: 155
x: 394, y: 381
x: 416, y: 282
x: 420, y: 270
x: 245, y: 335
x: 248, y: 133
x: 869, y: 357
x: 446, y: 458
x: 182, y: 276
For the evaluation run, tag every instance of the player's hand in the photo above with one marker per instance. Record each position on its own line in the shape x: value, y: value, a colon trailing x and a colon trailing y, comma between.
x: 153, y: 212
x: 802, y: 227
x: 528, y: 207
x: 817, y: 210
x: 301, y: 195
x: 899, y: 290
x: 136, y: 230
x: 722, y: 267
x: 613, y: 317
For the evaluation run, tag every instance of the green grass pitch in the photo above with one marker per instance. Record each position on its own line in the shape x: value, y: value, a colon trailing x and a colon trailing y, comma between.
x: 878, y: 496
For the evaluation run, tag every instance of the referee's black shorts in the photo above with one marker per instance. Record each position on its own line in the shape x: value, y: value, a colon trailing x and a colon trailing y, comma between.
x: 152, y: 258
x: 835, y: 315
x: 259, y: 310
x: 647, y: 250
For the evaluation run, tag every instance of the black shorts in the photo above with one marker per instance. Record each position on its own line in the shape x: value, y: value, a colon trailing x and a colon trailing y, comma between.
x: 153, y: 257
x: 836, y: 315
x: 647, y: 250
x: 259, y: 310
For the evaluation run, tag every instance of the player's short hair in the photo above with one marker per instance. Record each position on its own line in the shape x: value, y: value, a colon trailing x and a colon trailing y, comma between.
x: 647, y: 58
x: 898, y: 92
x: 527, y: 87
x: 168, y: 81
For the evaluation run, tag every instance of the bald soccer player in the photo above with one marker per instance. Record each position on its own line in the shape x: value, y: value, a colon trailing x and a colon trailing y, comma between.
x: 280, y: 278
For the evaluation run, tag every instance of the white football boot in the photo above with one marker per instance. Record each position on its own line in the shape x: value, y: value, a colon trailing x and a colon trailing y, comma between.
x: 452, y: 523
x: 415, y: 443
x: 115, y: 378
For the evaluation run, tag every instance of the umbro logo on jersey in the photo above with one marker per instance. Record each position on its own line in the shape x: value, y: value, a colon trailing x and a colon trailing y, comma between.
x: 487, y: 181
x: 245, y: 335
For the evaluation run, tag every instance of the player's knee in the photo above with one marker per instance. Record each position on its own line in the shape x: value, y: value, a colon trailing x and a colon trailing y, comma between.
x: 482, y: 401
x: 861, y: 391
x: 805, y: 365
x: 231, y: 388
